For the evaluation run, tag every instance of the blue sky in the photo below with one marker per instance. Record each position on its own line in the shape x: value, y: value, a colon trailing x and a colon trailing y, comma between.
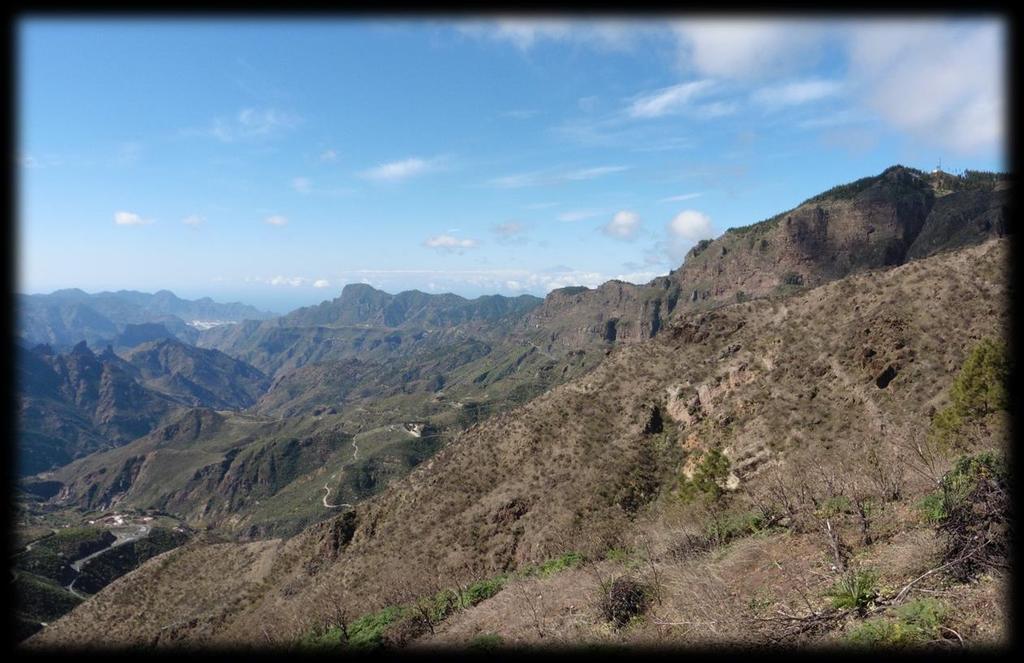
x: 272, y: 162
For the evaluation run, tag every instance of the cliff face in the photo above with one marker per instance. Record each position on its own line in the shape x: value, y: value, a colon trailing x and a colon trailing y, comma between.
x: 877, y: 222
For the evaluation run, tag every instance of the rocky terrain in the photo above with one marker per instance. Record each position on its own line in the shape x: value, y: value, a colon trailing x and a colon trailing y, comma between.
x: 771, y: 404
x: 787, y: 389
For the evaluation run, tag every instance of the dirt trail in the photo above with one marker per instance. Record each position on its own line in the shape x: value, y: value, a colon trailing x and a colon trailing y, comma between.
x: 327, y: 491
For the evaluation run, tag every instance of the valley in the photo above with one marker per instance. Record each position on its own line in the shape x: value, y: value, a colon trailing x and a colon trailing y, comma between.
x: 361, y: 460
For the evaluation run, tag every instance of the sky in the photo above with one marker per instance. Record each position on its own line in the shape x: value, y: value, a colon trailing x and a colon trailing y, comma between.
x: 273, y: 161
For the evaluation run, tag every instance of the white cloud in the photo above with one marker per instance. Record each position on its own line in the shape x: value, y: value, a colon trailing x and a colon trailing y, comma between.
x: 302, y: 185
x: 524, y: 34
x: 796, y: 92
x: 400, y: 170
x: 667, y: 100
x: 193, y: 221
x: 691, y: 225
x: 321, y: 283
x: 250, y: 123
x: 293, y: 281
x: 276, y: 220
x: 680, y: 198
x: 328, y: 156
x: 940, y: 82
x: 449, y: 243
x: 130, y: 219
x: 624, y: 225
x: 749, y: 48
x: 544, y: 178
x: 592, y: 173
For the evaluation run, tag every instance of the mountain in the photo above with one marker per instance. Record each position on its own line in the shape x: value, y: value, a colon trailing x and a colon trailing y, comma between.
x: 376, y: 362
x: 197, y: 376
x: 812, y: 400
x: 366, y: 322
x: 876, y: 222
x: 75, y: 403
x: 79, y: 402
x: 65, y: 317
x: 786, y: 367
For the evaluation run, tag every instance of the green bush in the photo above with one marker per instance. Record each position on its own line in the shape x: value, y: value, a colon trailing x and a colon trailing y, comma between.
x: 932, y: 507
x: 855, y: 590
x: 732, y: 526
x: 707, y: 477
x: 486, y: 642
x: 482, y: 590
x: 368, y: 631
x: 569, y: 560
x: 915, y: 623
x: 980, y: 389
x: 976, y: 518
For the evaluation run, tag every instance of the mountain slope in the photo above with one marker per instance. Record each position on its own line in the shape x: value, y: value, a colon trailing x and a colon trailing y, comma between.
x: 80, y: 402
x: 788, y: 383
x: 881, y: 221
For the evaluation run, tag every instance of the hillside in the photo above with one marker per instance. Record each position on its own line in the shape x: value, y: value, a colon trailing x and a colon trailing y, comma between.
x: 821, y: 395
x: 882, y: 221
x: 80, y: 402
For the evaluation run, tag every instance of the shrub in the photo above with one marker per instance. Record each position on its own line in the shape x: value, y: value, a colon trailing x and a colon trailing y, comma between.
x: 915, y: 623
x: 855, y: 590
x: 976, y: 518
x: 980, y: 389
x: 486, y: 642
x: 722, y: 530
x: 932, y: 507
x: 569, y: 560
x: 707, y: 477
x: 624, y: 600
x: 368, y: 630
x: 483, y: 590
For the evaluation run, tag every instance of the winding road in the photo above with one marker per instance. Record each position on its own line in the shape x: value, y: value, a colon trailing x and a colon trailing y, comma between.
x: 327, y: 490
x: 121, y: 538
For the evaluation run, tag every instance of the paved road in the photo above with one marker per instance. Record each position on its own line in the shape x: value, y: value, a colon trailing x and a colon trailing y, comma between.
x: 121, y: 537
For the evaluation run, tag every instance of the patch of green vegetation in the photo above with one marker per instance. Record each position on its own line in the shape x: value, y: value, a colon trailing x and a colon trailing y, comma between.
x: 981, y: 388
x: 932, y: 507
x: 914, y: 624
x: 699, y: 247
x: 111, y: 564
x: 854, y: 590
x: 367, y: 632
x: 569, y: 560
x: 481, y: 590
x: 835, y: 506
x: 486, y: 642
x: 760, y: 227
x: 711, y: 471
x: 730, y: 526
x: 962, y: 480
x: 41, y: 599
